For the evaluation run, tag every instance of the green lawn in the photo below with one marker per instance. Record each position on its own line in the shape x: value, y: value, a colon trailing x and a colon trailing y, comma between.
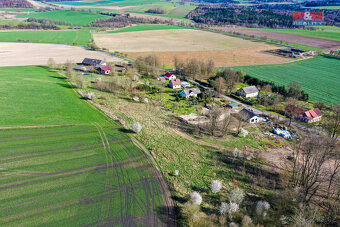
x: 81, y: 37
x: 319, y: 76
x: 80, y: 169
x: 147, y: 27
x: 73, y: 17
x: 328, y: 32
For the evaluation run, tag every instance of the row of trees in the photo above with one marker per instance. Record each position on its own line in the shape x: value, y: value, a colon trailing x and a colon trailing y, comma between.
x: 246, y: 16
x: 120, y: 21
x: 194, y: 68
x: 156, y: 11
x: 15, y: 4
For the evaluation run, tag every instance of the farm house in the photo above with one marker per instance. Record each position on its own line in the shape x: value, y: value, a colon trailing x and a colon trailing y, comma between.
x: 250, y: 116
x: 104, y: 69
x: 313, y: 115
x: 191, y: 92
x: 169, y: 76
x: 175, y: 84
x: 248, y: 92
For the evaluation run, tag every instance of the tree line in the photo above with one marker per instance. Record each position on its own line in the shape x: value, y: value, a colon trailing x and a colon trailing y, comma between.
x: 33, y: 23
x: 15, y: 4
x: 121, y: 20
x: 237, y: 15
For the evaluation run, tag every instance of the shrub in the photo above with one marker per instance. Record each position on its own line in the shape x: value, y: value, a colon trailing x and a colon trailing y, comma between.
x: 262, y: 207
x: 215, y: 186
x: 228, y: 208
x: 90, y: 96
x: 236, y: 196
x: 196, y: 198
x: 136, y: 127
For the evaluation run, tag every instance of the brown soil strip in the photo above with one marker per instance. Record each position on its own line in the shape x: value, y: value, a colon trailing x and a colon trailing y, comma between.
x: 235, y: 57
x: 291, y: 38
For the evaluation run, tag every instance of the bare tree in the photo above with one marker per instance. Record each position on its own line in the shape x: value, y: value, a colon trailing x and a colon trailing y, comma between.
x: 51, y: 63
x: 332, y: 124
x: 309, y: 158
x: 69, y: 69
x: 220, y: 85
x: 214, y: 114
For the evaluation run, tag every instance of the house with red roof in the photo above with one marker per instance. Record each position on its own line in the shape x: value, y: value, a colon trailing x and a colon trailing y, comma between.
x: 174, y: 84
x: 169, y: 76
x: 106, y: 69
x: 312, y: 115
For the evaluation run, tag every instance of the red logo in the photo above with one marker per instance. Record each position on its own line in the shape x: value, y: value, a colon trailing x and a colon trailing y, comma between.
x: 308, y: 16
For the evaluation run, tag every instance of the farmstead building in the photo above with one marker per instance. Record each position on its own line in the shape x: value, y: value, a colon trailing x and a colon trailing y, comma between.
x: 313, y: 115
x: 93, y: 62
x: 175, y: 83
x: 248, y: 92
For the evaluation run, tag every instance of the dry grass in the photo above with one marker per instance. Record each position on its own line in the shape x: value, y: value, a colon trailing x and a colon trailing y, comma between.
x: 241, y: 56
x: 187, y: 43
x: 170, y: 40
x: 20, y: 54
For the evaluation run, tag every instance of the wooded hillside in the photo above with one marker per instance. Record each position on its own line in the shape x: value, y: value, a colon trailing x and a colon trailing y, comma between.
x: 15, y: 4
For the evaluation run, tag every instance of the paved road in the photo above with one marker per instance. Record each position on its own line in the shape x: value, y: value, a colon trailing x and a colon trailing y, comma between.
x: 256, y: 111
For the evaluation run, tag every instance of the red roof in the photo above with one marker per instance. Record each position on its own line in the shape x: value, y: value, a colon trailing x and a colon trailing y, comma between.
x: 167, y: 74
x: 176, y: 82
x: 106, y: 68
x: 313, y: 113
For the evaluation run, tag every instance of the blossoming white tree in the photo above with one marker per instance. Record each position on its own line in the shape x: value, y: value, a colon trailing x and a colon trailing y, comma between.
x: 215, y: 186
x: 136, y: 127
x: 196, y: 198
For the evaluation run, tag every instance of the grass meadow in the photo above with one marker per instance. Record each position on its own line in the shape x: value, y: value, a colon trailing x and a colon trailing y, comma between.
x: 173, y: 9
x: 73, y: 17
x: 78, y: 168
x: 318, y: 76
x: 325, y: 32
x: 80, y: 37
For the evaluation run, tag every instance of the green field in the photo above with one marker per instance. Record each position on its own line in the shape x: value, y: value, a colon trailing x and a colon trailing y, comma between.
x: 325, y: 7
x: 18, y: 9
x: 173, y: 9
x: 12, y: 22
x: 327, y: 32
x: 81, y: 37
x: 147, y: 27
x: 80, y: 168
x: 319, y: 77
x: 73, y: 17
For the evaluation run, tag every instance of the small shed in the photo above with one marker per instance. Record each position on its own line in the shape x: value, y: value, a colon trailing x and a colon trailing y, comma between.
x: 185, y: 84
x: 232, y: 106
